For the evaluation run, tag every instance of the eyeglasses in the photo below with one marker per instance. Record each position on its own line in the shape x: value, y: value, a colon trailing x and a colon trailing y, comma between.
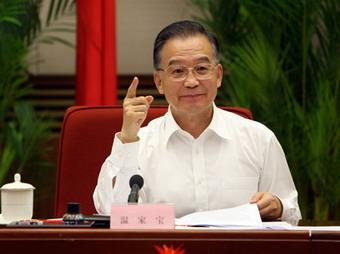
x: 180, y: 72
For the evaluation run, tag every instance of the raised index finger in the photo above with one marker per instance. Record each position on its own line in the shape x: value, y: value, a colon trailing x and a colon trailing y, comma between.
x: 131, y: 92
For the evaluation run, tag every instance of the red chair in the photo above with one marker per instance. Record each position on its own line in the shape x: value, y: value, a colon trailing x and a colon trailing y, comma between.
x: 86, y: 139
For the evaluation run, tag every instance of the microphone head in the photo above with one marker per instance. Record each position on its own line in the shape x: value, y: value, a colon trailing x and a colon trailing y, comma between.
x: 136, y: 179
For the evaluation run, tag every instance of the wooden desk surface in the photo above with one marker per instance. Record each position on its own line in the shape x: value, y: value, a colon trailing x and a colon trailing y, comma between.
x: 326, y: 242
x: 200, y: 233
x: 143, y: 241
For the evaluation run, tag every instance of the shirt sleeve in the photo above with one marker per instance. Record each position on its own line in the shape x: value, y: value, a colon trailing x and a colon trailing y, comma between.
x: 276, y: 178
x: 119, y: 166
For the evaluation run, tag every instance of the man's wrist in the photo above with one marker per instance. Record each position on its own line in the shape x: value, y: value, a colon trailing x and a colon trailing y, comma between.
x: 127, y: 139
x: 280, y: 205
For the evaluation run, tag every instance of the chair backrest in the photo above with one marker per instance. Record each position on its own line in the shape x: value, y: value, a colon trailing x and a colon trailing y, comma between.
x: 86, y: 139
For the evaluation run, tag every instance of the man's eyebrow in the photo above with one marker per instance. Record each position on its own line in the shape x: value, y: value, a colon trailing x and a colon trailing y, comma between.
x: 199, y: 59
x: 174, y: 62
x: 202, y: 59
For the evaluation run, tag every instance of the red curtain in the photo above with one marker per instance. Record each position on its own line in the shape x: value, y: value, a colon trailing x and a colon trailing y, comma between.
x: 96, y: 82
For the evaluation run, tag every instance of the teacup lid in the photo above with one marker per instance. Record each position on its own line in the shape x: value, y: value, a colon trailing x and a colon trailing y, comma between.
x: 17, y: 184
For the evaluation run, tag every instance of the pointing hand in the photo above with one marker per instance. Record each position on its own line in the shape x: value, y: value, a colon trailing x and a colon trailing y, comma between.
x: 135, y: 110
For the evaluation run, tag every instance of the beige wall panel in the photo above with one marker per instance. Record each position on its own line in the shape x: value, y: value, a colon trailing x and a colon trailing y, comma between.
x: 138, y: 22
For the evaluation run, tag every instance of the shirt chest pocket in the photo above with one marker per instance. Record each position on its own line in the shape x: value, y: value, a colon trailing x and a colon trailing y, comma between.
x: 238, y: 190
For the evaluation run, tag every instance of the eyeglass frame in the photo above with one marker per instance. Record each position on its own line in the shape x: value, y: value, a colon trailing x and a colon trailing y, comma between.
x: 188, y: 69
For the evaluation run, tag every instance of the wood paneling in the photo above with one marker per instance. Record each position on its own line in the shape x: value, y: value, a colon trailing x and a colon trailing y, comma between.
x: 54, y: 94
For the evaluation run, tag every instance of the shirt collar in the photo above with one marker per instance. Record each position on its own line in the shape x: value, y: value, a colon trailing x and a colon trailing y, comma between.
x: 217, y: 124
x: 170, y: 125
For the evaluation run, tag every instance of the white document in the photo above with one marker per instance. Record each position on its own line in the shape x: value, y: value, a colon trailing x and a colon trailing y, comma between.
x: 240, y: 216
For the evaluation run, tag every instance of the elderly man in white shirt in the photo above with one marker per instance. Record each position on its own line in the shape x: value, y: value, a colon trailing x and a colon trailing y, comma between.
x: 197, y: 156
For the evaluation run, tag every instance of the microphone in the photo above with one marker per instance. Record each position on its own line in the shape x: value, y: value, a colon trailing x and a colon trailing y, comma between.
x: 136, y: 183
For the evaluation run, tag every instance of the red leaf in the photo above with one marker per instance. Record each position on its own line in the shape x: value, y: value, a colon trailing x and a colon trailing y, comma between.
x: 169, y: 250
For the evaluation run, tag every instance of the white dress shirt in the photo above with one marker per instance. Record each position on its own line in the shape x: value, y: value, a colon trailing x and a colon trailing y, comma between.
x: 224, y: 167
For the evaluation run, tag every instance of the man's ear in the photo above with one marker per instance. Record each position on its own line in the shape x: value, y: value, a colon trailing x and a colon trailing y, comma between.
x: 219, y: 75
x: 158, y: 82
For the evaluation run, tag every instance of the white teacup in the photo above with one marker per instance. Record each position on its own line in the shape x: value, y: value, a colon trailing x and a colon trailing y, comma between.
x: 16, y: 201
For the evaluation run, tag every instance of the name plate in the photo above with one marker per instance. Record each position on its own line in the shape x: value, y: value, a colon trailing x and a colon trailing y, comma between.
x: 142, y: 216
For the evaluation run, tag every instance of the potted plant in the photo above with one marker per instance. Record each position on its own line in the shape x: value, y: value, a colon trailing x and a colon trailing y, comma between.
x: 282, y: 60
x: 24, y: 135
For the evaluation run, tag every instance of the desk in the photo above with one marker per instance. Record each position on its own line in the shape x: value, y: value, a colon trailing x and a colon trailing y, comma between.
x: 197, y: 241
x: 325, y: 242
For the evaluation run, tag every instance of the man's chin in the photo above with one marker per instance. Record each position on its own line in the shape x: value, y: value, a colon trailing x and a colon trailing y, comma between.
x: 191, y: 107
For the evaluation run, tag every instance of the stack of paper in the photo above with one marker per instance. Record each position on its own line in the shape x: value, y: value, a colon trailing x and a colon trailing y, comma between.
x: 241, y: 216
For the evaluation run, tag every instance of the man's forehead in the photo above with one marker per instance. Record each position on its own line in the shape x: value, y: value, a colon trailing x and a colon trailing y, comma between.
x: 195, y: 48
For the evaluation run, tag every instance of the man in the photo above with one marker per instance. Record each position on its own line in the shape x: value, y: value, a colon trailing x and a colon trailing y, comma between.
x: 196, y: 156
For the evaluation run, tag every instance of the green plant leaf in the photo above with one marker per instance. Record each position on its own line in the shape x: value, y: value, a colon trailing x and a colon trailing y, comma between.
x: 282, y: 61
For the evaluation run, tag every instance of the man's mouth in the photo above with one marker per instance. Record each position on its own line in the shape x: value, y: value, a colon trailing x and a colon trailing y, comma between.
x: 192, y: 95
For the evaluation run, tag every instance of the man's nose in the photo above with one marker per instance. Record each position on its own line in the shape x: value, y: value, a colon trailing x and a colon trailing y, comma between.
x: 191, y: 80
